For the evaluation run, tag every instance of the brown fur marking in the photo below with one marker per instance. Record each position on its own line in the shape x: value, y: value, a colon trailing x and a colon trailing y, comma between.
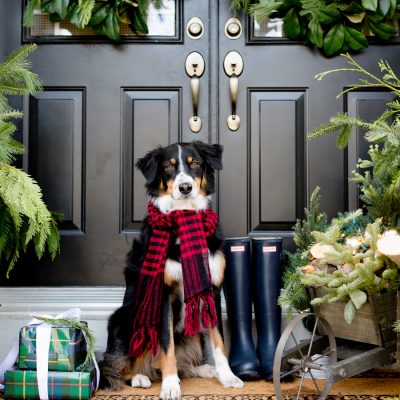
x: 168, y: 359
x: 216, y: 339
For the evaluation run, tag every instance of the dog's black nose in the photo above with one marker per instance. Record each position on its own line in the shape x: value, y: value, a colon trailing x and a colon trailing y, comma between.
x: 185, y: 188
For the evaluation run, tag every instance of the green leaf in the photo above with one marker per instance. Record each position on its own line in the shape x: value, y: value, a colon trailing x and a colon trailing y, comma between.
x: 139, y: 23
x: 47, y: 6
x: 358, y: 297
x: 74, y: 15
x: 291, y: 25
x: 61, y: 7
x: 112, y: 26
x: 371, y: 5
x: 352, y: 8
x: 315, y: 33
x: 382, y: 30
x: 355, y: 18
x: 99, y: 14
x: 28, y: 13
x: 328, y: 14
x: 355, y: 39
x: 392, y: 9
x: 384, y: 6
x: 333, y: 40
x: 349, y: 312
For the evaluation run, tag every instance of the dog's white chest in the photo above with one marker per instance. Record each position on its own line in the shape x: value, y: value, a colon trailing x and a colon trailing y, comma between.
x: 173, y: 270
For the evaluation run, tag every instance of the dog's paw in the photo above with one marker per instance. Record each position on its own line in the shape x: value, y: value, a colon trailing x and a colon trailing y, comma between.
x: 205, y: 371
x: 228, y: 379
x: 170, y: 388
x: 141, y: 381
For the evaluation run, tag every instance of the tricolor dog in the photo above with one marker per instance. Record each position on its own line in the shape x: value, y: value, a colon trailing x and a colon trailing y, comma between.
x: 173, y: 277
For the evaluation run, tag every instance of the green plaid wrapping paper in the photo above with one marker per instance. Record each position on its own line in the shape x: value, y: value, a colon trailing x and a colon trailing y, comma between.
x: 67, y: 350
x: 22, y: 384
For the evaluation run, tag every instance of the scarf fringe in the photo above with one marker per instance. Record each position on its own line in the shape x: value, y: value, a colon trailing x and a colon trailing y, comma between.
x: 192, y: 314
x: 144, y: 339
x: 208, y: 313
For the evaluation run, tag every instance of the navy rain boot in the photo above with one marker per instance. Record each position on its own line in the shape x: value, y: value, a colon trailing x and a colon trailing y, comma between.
x: 238, y: 293
x: 266, y: 258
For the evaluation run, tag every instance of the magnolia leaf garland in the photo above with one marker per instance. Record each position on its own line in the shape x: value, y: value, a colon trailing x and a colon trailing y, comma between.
x: 333, y: 26
x: 104, y: 17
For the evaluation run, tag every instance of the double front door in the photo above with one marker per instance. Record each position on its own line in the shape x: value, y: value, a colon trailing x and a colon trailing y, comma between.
x: 200, y: 75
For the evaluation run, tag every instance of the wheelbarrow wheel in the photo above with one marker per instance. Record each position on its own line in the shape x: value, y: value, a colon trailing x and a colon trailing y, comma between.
x: 305, y: 359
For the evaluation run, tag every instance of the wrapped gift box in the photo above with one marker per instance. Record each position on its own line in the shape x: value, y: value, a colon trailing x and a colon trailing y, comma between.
x: 67, y: 349
x: 22, y: 384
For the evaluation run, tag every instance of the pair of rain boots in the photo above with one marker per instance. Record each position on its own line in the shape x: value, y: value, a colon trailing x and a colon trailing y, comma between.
x: 253, y: 275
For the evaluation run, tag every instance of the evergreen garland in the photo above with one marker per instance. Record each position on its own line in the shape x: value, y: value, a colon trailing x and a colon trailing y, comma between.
x: 24, y: 217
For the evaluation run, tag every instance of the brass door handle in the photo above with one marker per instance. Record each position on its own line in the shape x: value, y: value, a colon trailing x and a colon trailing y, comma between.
x: 194, y: 66
x: 233, y: 66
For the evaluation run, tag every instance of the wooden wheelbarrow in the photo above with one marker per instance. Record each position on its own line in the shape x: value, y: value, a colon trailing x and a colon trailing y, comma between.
x: 336, y: 350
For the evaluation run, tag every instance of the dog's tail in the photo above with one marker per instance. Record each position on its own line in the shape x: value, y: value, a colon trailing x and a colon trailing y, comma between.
x: 112, y: 369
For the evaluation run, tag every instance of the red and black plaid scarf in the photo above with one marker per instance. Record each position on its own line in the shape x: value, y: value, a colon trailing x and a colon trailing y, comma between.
x: 192, y: 228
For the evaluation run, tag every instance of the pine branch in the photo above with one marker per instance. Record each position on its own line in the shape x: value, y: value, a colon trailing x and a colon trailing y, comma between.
x: 264, y: 9
x: 15, y: 77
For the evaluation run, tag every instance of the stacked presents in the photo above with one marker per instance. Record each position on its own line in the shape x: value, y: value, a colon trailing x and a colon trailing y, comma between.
x: 52, y: 364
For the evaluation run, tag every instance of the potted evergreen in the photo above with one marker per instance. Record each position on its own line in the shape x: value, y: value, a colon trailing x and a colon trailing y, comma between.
x: 24, y: 218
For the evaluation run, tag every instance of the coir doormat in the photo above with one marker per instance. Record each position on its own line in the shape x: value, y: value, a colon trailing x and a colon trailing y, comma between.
x: 373, y: 385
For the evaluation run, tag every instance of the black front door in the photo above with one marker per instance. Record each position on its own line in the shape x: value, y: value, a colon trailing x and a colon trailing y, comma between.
x: 103, y: 106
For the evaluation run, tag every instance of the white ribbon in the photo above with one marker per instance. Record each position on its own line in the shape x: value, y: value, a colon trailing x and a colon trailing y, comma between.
x: 43, y: 333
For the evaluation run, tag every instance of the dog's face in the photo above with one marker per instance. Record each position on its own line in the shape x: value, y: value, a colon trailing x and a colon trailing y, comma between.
x: 181, y: 175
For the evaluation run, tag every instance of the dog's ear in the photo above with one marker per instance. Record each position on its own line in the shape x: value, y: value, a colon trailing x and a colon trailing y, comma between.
x: 148, y: 165
x: 211, y: 153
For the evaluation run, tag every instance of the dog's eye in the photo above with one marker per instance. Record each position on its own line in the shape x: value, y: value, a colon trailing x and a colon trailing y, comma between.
x: 169, y: 167
x: 194, y: 165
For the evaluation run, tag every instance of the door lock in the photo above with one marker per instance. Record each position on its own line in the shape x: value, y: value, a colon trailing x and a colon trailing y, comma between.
x: 195, y: 28
x: 233, y: 28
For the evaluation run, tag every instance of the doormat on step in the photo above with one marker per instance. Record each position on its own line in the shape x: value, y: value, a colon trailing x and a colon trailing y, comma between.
x: 372, y: 385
